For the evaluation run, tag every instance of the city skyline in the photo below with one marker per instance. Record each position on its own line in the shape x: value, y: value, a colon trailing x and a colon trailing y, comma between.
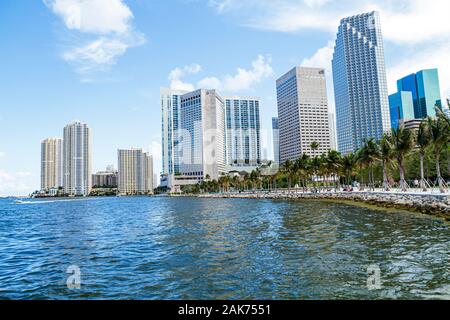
x: 120, y: 100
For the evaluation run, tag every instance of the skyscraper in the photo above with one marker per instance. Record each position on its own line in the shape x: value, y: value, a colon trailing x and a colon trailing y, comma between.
x: 135, y: 172
x: 51, y: 163
x: 203, y: 137
x: 303, y: 113
x: 276, y: 140
x: 77, y: 160
x: 401, y: 108
x: 243, y: 134
x: 360, y: 87
x: 170, y: 114
x: 425, y: 89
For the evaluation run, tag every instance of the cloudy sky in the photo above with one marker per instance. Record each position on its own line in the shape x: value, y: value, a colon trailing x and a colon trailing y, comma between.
x: 103, y: 62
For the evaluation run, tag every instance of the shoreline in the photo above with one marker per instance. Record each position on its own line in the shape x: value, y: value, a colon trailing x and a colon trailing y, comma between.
x: 437, y: 205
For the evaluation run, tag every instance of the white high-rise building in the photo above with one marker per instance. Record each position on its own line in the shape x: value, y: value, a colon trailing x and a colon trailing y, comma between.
x: 276, y: 140
x: 51, y: 163
x: 170, y: 119
x: 135, y: 172
x: 202, y: 151
x: 303, y: 113
x: 77, y: 159
x: 360, y: 86
x: 243, y: 134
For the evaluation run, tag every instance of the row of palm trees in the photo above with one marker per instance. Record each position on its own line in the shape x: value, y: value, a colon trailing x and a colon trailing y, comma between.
x: 334, y: 169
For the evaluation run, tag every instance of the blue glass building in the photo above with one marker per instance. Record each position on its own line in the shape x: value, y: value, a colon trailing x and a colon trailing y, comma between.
x: 425, y: 90
x: 401, y: 108
x: 360, y: 86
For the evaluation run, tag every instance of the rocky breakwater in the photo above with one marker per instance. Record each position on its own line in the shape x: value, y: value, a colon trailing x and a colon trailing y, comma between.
x: 431, y: 204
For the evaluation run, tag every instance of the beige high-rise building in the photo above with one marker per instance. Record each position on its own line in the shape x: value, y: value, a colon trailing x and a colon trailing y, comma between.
x: 135, y: 172
x: 77, y: 160
x: 51, y: 163
x: 303, y: 115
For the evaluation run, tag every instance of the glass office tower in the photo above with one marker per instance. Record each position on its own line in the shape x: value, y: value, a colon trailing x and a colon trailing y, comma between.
x: 359, y: 73
x: 401, y: 108
x: 425, y: 90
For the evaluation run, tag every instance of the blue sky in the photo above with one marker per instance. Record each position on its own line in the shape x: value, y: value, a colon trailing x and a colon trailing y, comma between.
x: 103, y: 61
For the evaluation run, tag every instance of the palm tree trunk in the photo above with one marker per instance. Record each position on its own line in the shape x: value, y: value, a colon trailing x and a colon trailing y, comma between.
x: 385, y: 177
x: 423, y: 184
x: 438, y: 173
x: 402, y: 178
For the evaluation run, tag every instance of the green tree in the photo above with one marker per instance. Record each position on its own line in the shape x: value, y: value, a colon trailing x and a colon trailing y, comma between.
x: 403, y: 143
x: 423, y: 141
x: 314, y: 147
x: 387, y: 156
x: 348, y: 167
x: 369, y: 155
x: 334, y: 164
x: 439, y: 136
x: 288, y: 168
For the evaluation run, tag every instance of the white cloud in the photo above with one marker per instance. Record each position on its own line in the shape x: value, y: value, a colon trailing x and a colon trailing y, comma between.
x: 176, y: 75
x: 243, y: 80
x: 322, y: 59
x: 2, y: 154
x: 426, y: 58
x: 418, y: 29
x: 104, y: 32
x: 93, y: 16
x: 405, y: 21
x: 16, y: 184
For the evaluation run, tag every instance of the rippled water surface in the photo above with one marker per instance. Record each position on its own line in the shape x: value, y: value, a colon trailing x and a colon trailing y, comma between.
x: 165, y: 248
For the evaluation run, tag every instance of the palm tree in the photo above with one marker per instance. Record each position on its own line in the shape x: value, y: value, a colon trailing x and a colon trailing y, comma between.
x: 423, y: 142
x: 360, y: 162
x: 403, y: 143
x: 236, y: 182
x: 334, y: 163
x: 439, y: 136
x: 316, y: 164
x: 288, y: 168
x: 302, y: 166
x: 370, y: 154
x: 315, y: 146
x: 348, y: 167
x: 387, y: 156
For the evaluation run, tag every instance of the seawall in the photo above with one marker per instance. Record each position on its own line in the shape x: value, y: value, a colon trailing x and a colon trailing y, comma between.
x: 431, y: 204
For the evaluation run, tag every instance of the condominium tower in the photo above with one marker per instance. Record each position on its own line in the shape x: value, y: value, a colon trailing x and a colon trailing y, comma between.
x: 303, y: 113
x: 360, y: 87
x: 77, y: 159
x: 135, y: 172
x: 243, y: 134
x: 276, y: 140
x: 51, y: 163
